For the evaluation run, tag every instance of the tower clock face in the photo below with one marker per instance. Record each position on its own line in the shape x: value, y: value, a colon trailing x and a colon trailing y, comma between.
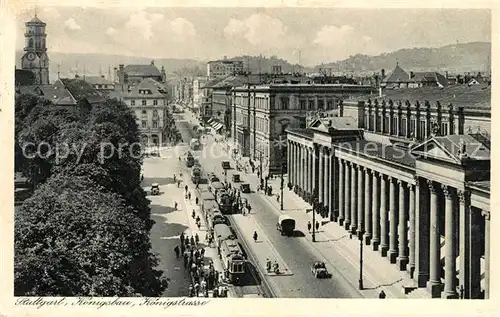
x: 30, y: 56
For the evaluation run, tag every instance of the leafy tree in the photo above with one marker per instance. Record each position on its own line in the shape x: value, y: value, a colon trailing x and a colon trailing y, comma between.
x: 75, y: 238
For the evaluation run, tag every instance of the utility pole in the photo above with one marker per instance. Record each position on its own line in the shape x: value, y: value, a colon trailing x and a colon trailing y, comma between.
x: 282, y: 185
x: 314, y: 205
x: 260, y: 158
x: 360, y: 282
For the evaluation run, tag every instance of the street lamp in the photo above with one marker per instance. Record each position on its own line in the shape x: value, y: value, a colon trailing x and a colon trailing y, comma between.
x: 360, y: 282
x: 225, y: 176
x: 260, y: 159
x: 282, y: 183
x: 315, y: 206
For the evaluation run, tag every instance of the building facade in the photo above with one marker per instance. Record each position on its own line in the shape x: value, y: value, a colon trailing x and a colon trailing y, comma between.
x: 223, y: 68
x: 399, y: 78
x: 134, y: 74
x: 101, y: 84
x: 420, y: 200
x: 35, y: 58
x: 261, y: 115
x: 148, y: 100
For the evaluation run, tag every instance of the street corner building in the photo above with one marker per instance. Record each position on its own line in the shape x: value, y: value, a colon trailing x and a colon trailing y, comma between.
x: 263, y: 113
x: 407, y: 171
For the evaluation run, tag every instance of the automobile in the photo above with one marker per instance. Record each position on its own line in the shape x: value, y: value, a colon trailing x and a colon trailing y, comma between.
x: 319, y: 270
x: 236, y: 178
x: 155, y: 189
x: 245, y: 188
x: 226, y: 165
x: 212, y: 178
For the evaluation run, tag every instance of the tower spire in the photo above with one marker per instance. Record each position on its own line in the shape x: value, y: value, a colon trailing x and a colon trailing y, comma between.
x: 36, y: 11
x: 58, y: 70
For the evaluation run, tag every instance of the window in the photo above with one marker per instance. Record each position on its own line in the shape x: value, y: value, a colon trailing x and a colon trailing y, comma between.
x: 311, y: 104
x: 386, y: 124
x: 155, y: 124
x: 379, y: 123
x: 155, y: 102
x: 321, y: 104
x: 330, y: 105
x: 394, y: 122
x: 422, y: 133
x: 144, y: 124
x: 284, y: 103
x: 144, y: 102
x: 155, y: 113
x: 413, y: 127
x: 403, y: 126
x: 132, y: 102
x: 144, y: 112
x: 444, y: 128
x: 303, y: 105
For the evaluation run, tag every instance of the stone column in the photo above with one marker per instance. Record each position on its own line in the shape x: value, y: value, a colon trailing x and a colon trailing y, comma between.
x: 421, y: 233
x: 375, y: 212
x: 384, y: 236
x: 450, y: 269
x: 360, y: 202
x: 354, y: 199
x: 289, y: 161
x: 326, y: 181
x: 347, y: 195
x: 342, y: 185
x: 319, y: 175
x: 308, y: 170
x: 487, y: 257
x: 402, y: 259
x: 301, y: 167
x: 393, y: 222
x: 411, y: 260
x: 434, y: 284
x: 368, y: 206
x: 294, y: 164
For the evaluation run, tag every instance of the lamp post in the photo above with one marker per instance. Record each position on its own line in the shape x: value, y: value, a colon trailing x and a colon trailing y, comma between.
x: 225, y: 176
x: 360, y: 282
x: 260, y: 159
x: 314, y: 205
x: 282, y: 183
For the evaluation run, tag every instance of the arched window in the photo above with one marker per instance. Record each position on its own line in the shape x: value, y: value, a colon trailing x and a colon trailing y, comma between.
x: 30, y: 43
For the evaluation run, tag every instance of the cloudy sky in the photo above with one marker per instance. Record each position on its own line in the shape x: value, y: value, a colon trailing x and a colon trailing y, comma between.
x: 321, y: 35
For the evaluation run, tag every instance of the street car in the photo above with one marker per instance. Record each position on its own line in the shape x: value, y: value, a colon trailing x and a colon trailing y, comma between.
x: 319, y: 270
x: 245, y: 188
x: 236, y: 178
x: 155, y: 189
x: 226, y: 165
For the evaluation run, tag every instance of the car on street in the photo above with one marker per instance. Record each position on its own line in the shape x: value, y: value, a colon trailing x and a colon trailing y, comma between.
x: 155, y: 189
x: 226, y: 165
x: 245, y: 188
x: 213, y: 178
x: 319, y: 270
x: 236, y: 178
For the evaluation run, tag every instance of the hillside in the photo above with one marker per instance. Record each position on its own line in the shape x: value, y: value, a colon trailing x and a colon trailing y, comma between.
x: 456, y: 58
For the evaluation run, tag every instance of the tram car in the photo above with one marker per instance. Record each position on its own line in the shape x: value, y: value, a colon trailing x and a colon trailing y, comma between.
x: 215, y: 217
x: 225, y: 201
x: 233, y: 260
x: 196, y: 174
x: 189, y: 159
x: 222, y: 232
x: 215, y: 187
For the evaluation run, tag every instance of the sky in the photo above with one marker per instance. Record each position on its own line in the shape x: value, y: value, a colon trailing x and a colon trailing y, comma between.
x: 321, y: 35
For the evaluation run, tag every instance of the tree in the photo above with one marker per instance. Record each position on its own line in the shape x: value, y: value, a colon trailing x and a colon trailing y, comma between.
x: 74, y: 238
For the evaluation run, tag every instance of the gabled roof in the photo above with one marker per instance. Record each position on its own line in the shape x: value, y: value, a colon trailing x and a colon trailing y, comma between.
x: 397, y: 75
x: 153, y: 88
x: 57, y: 93
x: 450, y: 148
x: 80, y: 89
x: 429, y: 77
x: 97, y: 80
x: 141, y: 70
x: 36, y: 20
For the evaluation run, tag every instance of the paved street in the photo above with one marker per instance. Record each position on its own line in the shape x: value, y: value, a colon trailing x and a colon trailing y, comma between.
x: 298, y: 254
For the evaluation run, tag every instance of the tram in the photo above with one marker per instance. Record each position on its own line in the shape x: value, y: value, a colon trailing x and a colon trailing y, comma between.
x: 233, y: 260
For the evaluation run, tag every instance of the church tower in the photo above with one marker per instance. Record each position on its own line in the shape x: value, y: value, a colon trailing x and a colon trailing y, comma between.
x: 35, y: 57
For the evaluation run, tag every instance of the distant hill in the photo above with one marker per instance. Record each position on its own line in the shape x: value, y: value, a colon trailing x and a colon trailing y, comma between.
x: 456, y: 58
x: 94, y: 62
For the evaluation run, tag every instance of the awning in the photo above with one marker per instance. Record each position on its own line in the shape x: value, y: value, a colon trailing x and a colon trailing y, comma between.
x: 210, y: 120
x: 218, y: 126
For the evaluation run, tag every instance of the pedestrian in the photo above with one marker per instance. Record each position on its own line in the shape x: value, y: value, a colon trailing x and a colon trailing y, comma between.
x: 175, y: 179
x: 216, y: 292
x: 186, y: 259
x: 182, y: 238
x: 278, y: 198
x: 175, y: 206
x: 197, y: 185
x: 255, y: 236
x: 189, y: 195
x: 178, y: 183
x: 197, y: 289
x: 190, y: 290
x: 176, y: 250
x: 193, y: 214
x: 317, y: 225
x: 268, y: 265
x: 186, y: 188
x: 381, y: 294
x: 199, y: 225
x: 196, y: 238
x: 309, y: 226
x: 196, y: 200
x: 202, y: 253
x: 192, y: 240
x: 198, y: 219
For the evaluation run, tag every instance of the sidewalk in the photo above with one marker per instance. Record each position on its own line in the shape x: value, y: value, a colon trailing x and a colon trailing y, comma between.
x: 261, y: 249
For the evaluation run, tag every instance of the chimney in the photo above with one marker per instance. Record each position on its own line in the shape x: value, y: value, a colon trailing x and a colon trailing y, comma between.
x: 102, y: 76
x: 121, y: 74
x: 152, y: 63
x: 383, y: 73
x: 412, y: 75
x: 446, y: 74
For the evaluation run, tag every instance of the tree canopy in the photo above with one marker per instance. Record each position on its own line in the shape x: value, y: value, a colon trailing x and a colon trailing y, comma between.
x: 85, y: 230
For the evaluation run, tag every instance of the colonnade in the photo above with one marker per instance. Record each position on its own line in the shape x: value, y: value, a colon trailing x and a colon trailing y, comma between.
x: 400, y: 217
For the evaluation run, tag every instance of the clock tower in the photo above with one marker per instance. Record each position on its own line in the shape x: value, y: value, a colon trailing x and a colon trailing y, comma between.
x: 35, y: 57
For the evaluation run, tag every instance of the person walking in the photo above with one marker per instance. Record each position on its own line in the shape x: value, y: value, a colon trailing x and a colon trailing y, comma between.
x: 192, y: 240
x: 317, y: 225
x: 198, y: 219
x: 186, y: 188
x: 175, y: 205
x: 176, y: 250
x: 196, y: 200
x: 178, y: 183
x: 193, y: 214
x: 381, y: 295
x: 196, y: 238
x: 189, y: 195
x: 255, y: 236
x: 309, y: 226
x: 175, y: 178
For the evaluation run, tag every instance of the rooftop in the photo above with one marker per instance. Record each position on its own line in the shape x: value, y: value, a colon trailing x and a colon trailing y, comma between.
x: 98, y: 80
x: 57, y: 93
x: 482, y: 185
x: 36, y: 20
x: 147, y: 87
x: 80, y: 89
x: 375, y: 150
x: 141, y: 70
x: 474, y: 96
x: 307, y: 133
